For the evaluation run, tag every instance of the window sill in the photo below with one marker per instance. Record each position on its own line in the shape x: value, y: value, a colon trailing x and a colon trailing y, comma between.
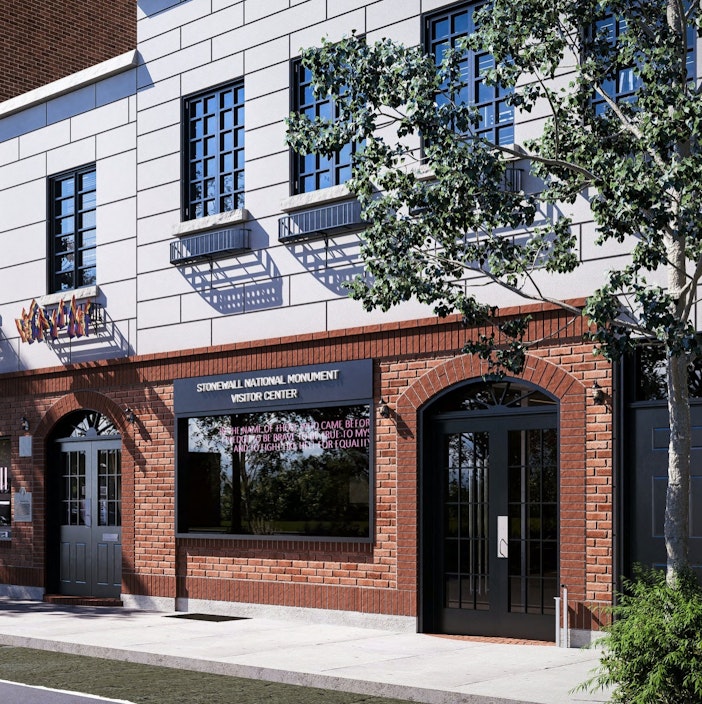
x: 210, y: 222
x: 80, y: 294
x: 315, y: 198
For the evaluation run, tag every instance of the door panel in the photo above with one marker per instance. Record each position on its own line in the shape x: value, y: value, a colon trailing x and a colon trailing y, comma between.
x: 90, y: 531
x: 495, y: 488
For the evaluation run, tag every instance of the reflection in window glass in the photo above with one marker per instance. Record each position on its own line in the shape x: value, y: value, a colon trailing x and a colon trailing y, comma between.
x: 300, y: 472
x: 73, y: 202
x: 5, y: 510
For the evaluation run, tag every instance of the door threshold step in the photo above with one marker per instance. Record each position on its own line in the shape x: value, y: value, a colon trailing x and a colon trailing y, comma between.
x: 65, y: 600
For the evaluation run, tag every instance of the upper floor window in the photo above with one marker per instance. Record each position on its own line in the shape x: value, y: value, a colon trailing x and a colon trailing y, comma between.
x: 214, y: 152
x: 72, y: 205
x: 314, y: 171
x: 442, y: 32
x: 625, y: 81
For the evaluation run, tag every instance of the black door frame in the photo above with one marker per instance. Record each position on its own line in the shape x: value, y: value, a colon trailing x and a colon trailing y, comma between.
x: 430, y: 597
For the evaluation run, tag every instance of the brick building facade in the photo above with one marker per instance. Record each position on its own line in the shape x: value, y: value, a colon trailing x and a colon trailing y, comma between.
x: 129, y: 375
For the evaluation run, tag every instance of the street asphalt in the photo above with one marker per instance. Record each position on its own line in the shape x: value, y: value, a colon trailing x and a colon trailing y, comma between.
x: 413, y: 666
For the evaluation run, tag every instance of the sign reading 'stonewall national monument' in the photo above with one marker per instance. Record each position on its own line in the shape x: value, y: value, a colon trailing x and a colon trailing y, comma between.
x: 282, y: 451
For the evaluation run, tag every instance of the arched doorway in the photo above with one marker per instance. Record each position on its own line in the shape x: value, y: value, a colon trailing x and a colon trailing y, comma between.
x: 489, y: 511
x: 85, y: 502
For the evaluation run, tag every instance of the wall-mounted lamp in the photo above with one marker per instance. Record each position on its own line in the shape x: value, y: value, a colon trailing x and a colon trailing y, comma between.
x: 598, y: 394
x: 384, y: 409
x: 24, y: 424
x: 129, y: 415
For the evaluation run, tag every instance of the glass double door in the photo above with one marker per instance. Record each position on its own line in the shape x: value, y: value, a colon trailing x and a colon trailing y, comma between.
x: 493, y: 526
x: 90, y: 549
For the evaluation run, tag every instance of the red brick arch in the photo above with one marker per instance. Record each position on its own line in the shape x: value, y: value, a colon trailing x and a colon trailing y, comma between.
x: 571, y: 395
x: 78, y: 401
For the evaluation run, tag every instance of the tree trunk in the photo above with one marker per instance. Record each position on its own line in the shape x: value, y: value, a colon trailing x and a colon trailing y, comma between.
x: 677, y: 500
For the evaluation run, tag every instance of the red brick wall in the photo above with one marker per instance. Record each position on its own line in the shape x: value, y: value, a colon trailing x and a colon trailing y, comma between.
x: 414, y: 362
x: 44, y: 40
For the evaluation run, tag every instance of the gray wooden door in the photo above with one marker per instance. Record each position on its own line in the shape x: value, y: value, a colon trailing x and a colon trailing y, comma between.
x: 90, y: 555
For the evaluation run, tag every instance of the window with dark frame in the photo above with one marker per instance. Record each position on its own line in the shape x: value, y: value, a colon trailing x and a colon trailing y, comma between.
x: 312, y: 172
x: 295, y: 472
x: 214, y: 152
x: 443, y: 30
x: 622, y: 86
x: 72, y: 204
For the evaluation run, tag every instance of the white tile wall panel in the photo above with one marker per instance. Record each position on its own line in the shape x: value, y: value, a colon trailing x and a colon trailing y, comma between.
x: 202, y: 78
x: 182, y: 60
x: 70, y: 156
x: 221, y: 4
x: 37, y: 355
x: 173, y: 281
x: 258, y: 56
x: 204, y: 29
x: 103, y: 118
x: 341, y: 7
x: 311, y: 287
x: 273, y: 323
x: 116, y: 221
x: 268, y: 109
x: 116, y: 261
x: 115, y: 141
x: 157, y: 228
x: 257, y: 10
x: 20, y: 172
x: 159, y: 117
x: 268, y: 80
x: 22, y: 122
x: 116, y: 177
x: 158, y: 21
x: 116, y: 88
x: 162, y: 199
x: 263, y: 140
x: 159, y: 143
x: 155, y: 256
x: 73, y: 103
x: 9, y: 355
x: 44, y: 139
x: 384, y: 13
x: 151, y: 94
x: 156, y: 48
x: 17, y: 246
x: 347, y: 313
x: 22, y: 205
x: 119, y: 298
x: 9, y: 151
x: 158, y: 171
x: 174, y: 337
x: 263, y: 199
x: 408, y: 32
x: 27, y: 280
x: 212, y: 302
x: 333, y: 30
x: 158, y: 312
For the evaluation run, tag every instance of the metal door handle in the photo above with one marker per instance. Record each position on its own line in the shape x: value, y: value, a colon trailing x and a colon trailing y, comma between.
x: 502, y: 537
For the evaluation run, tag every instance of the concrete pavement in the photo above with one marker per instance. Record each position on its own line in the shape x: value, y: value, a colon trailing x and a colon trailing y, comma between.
x: 414, y: 666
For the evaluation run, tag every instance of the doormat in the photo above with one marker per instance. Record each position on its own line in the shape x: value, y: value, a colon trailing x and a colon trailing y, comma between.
x: 208, y: 617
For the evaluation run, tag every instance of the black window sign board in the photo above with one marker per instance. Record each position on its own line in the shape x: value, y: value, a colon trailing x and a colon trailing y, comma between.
x: 292, y: 387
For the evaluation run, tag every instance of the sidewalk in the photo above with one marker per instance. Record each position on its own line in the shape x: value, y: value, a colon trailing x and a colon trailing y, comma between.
x: 418, y: 667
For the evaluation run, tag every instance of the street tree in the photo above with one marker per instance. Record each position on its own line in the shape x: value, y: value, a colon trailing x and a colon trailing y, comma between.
x: 619, y: 118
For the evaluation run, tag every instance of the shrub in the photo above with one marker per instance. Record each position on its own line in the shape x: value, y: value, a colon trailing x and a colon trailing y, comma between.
x: 652, y: 651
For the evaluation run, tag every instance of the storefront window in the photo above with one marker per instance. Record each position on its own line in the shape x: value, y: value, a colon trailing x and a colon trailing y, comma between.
x: 284, y: 472
x: 5, y: 501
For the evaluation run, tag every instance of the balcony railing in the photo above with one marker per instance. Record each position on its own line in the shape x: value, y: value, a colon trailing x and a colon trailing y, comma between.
x: 210, y: 245
x: 321, y: 222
